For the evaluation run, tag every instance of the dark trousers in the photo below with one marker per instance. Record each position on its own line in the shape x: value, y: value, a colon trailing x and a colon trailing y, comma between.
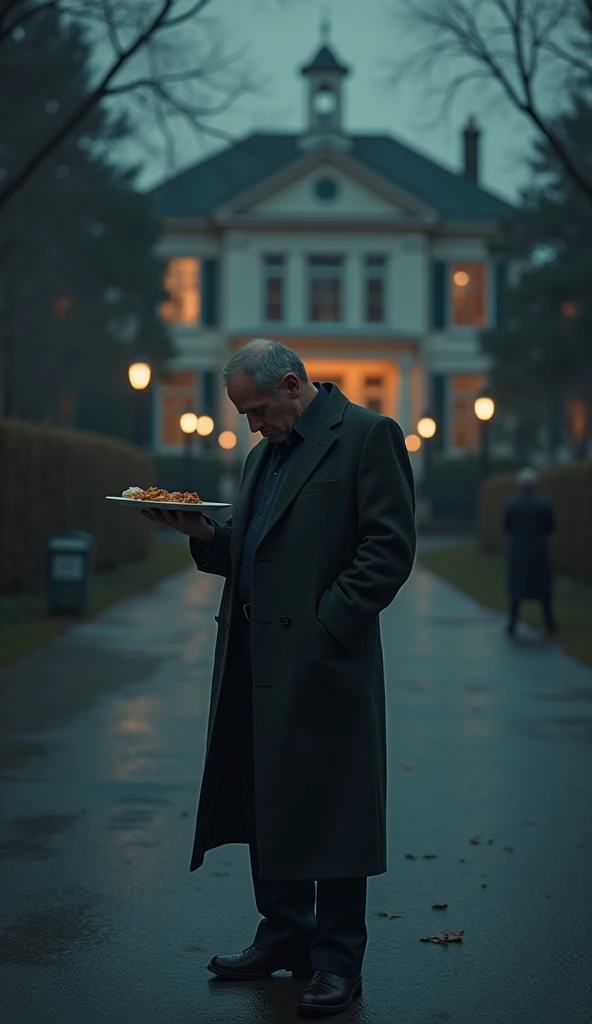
x: 334, y: 933
x: 547, y: 613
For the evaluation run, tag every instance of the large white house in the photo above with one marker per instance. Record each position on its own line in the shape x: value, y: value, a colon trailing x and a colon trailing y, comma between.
x: 370, y: 260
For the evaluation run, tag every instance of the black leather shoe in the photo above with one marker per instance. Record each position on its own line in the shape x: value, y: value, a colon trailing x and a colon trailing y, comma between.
x: 254, y: 963
x: 329, y: 993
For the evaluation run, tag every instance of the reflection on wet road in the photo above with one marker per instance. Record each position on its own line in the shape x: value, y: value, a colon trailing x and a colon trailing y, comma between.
x: 102, y: 750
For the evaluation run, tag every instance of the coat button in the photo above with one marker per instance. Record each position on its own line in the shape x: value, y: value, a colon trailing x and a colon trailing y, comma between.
x: 285, y: 620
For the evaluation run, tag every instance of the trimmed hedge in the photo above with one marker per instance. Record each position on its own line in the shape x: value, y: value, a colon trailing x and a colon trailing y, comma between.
x: 55, y: 479
x: 569, y: 487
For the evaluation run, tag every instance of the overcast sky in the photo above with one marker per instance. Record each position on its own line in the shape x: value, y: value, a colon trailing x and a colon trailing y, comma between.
x: 283, y: 34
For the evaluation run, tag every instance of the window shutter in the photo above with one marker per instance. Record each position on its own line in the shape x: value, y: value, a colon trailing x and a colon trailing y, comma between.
x: 439, y: 294
x: 501, y: 277
x: 209, y: 292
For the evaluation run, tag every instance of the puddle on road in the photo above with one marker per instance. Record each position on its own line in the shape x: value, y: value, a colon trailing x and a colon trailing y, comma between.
x: 43, y: 937
x: 33, y: 835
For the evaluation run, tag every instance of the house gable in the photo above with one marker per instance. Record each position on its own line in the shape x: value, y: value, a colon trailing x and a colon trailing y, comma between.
x: 297, y: 192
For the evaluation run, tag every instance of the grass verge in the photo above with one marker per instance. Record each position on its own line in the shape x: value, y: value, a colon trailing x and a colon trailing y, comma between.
x: 25, y: 624
x: 483, y: 578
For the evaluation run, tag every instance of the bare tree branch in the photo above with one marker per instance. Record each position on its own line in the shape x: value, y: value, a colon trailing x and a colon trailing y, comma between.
x: 470, y: 31
x: 163, y: 19
x: 111, y: 27
x: 6, y: 29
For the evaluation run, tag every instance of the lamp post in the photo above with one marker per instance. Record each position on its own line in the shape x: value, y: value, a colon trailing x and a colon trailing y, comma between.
x: 139, y: 375
x: 426, y: 428
x: 484, y: 410
x: 188, y: 423
x: 205, y: 428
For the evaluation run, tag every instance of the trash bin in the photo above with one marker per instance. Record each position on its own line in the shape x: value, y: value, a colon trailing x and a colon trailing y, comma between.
x: 69, y: 566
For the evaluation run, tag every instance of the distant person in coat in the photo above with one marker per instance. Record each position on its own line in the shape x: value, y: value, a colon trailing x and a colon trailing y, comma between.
x: 321, y: 539
x: 529, y: 520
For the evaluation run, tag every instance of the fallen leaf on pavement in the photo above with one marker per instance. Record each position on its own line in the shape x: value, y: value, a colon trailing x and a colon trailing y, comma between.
x: 510, y: 849
x: 387, y: 913
x: 446, y: 936
x: 476, y: 840
x: 439, y: 906
x: 430, y: 856
x: 409, y: 766
x: 410, y: 856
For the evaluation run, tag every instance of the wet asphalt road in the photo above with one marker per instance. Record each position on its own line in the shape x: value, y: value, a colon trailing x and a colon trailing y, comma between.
x: 102, y: 749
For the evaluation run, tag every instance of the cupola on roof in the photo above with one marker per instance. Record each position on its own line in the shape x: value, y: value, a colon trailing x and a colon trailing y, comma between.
x: 325, y: 60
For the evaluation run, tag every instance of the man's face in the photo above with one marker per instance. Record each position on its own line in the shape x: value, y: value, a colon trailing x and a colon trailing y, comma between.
x: 273, y: 414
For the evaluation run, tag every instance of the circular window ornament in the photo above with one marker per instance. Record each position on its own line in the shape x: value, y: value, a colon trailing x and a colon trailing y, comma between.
x: 326, y: 189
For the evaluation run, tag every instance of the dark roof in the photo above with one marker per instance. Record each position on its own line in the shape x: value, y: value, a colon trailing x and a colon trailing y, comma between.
x: 197, y: 191
x: 325, y: 60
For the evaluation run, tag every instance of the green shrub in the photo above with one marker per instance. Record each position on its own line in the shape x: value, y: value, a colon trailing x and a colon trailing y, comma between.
x: 569, y: 487
x: 55, y: 479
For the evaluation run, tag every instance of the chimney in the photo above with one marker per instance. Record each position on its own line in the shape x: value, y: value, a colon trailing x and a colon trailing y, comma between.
x: 471, y: 135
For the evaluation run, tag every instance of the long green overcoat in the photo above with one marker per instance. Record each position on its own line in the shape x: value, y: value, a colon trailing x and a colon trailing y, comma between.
x: 338, y: 545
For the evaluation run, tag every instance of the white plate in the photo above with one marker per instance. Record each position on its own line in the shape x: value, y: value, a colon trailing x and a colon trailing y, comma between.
x: 185, y: 506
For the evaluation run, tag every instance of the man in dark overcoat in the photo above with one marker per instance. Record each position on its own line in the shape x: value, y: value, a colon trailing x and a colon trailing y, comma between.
x: 321, y: 539
x: 529, y: 521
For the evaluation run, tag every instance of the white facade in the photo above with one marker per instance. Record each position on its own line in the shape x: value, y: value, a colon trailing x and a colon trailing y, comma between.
x: 410, y: 359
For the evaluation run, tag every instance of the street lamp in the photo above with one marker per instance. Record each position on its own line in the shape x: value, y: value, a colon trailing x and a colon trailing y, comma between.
x: 188, y: 423
x: 426, y: 428
x: 412, y: 443
x: 227, y: 440
x: 205, y: 426
x: 139, y: 375
x: 484, y: 410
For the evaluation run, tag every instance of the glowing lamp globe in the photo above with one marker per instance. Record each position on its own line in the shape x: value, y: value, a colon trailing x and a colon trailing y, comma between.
x: 139, y: 375
x: 412, y: 443
x: 426, y: 427
x: 227, y: 440
x: 188, y: 422
x: 484, y: 408
x: 205, y: 426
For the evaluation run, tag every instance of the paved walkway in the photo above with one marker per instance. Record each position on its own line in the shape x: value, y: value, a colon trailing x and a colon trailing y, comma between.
x: 102, y: 749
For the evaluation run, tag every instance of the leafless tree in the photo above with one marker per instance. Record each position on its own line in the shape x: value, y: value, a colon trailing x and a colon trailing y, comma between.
x: 534, y: 51
x: 165, y: 55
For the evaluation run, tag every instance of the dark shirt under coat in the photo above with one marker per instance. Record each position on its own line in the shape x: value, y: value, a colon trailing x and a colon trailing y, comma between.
x: 281, y: 457
x: 528, y: 520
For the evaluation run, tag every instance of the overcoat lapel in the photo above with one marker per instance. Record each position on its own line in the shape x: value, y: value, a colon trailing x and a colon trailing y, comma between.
x: 312, y: 452
x: 242, y: 507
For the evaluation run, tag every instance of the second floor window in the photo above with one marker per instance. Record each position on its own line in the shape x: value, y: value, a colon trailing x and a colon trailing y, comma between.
x: 182, y: 281
x: 374, y: 289
x: 275, y: 287
x: 469, y: 300
x: 325, y: 287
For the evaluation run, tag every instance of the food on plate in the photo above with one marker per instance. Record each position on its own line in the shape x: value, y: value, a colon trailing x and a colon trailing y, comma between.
x: 159, y: 494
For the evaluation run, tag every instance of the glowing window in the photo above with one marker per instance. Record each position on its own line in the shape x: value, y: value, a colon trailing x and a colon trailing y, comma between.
x: 468, y: 294
x: 182, y: 281
x: 177, y: 397
x: 465, y: 425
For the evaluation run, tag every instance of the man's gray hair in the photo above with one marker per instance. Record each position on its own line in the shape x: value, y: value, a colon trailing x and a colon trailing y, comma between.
x: 266, y: 363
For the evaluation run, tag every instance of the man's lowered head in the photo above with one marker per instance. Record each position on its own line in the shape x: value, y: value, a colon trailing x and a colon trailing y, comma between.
x: 267, y: 383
